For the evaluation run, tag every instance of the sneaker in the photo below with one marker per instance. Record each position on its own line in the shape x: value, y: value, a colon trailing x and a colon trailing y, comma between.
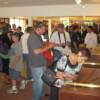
x: 31, y: 80
x: 22, y: 86
x: 11, y: 91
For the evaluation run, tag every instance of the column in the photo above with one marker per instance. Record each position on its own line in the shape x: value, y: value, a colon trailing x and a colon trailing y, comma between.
x: 49, y: 27
x: 30, y: 23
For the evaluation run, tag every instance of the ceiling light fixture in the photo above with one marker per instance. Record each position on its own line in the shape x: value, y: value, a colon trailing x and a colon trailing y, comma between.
x: 78, y: 2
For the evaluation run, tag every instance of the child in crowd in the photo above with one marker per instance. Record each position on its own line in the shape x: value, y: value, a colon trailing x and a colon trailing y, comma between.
x: 16, y: 62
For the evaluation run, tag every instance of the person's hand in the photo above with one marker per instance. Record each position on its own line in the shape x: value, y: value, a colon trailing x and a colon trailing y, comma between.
x: 60, y: 75
x: 45, y: 43
x: 51, y: 45
x: 70, y: 77
x: 12, y: 65
x: 63, y: 45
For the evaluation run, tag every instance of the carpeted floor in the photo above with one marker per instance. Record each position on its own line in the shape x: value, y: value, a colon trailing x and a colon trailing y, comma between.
x: 25, y: 94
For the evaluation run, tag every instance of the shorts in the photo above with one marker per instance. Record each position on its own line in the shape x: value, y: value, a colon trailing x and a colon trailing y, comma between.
x: 14, y: 75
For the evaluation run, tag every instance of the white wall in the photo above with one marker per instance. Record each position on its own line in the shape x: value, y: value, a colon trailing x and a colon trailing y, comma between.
x: 56, y: 10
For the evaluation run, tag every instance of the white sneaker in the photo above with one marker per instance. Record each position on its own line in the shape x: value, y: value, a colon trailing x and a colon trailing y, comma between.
x: 31, y: 80
x: 22, y: 86
x: 24, y: 83
x: 11, y: 91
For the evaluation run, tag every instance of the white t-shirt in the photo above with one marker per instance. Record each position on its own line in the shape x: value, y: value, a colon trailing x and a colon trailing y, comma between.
x: 55, y: 39
x: 24, y: 39
x: 91, y: 40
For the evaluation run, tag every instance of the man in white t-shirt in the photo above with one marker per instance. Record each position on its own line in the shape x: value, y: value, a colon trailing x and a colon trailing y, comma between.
x: 61, y: 39
x: 91, y: 38
x: 25, y: 52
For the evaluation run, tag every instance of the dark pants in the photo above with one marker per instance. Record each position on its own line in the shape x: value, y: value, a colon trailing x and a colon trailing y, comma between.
x: 54, y: 93
x: 1, y: 65
x: 5, y: 63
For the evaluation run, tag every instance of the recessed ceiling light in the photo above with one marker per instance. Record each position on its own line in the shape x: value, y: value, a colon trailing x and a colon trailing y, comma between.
x: 78, y: 2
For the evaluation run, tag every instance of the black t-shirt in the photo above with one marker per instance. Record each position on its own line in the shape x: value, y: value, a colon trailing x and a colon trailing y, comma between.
x: 76, y: 38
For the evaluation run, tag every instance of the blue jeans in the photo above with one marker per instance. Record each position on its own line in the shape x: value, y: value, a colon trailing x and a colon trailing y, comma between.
x: 14, y: 75
x: 26, y: 63
x: 37, y: 85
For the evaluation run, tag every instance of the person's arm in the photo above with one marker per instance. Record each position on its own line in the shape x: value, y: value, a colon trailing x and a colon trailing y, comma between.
x: 86, y: 39
x: 73, y: 77
x: 60, y: 66
x: 36, y: 47
x: 95, y: 40
x: 4, y: 56
x: 60, y: 75
x: 55, y: 40
x: 44, y: 48
x: 18, y: 54
x: 66, y: 76
x: 70, y: 76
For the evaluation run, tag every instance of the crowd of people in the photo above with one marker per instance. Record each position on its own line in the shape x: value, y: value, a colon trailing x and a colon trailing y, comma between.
x: 18, y: 50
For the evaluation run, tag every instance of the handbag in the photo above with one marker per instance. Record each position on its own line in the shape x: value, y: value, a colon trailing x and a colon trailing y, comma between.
x: 49, y: 77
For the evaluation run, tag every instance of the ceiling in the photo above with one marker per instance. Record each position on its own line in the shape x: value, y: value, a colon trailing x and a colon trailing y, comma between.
x: 12, y: 3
